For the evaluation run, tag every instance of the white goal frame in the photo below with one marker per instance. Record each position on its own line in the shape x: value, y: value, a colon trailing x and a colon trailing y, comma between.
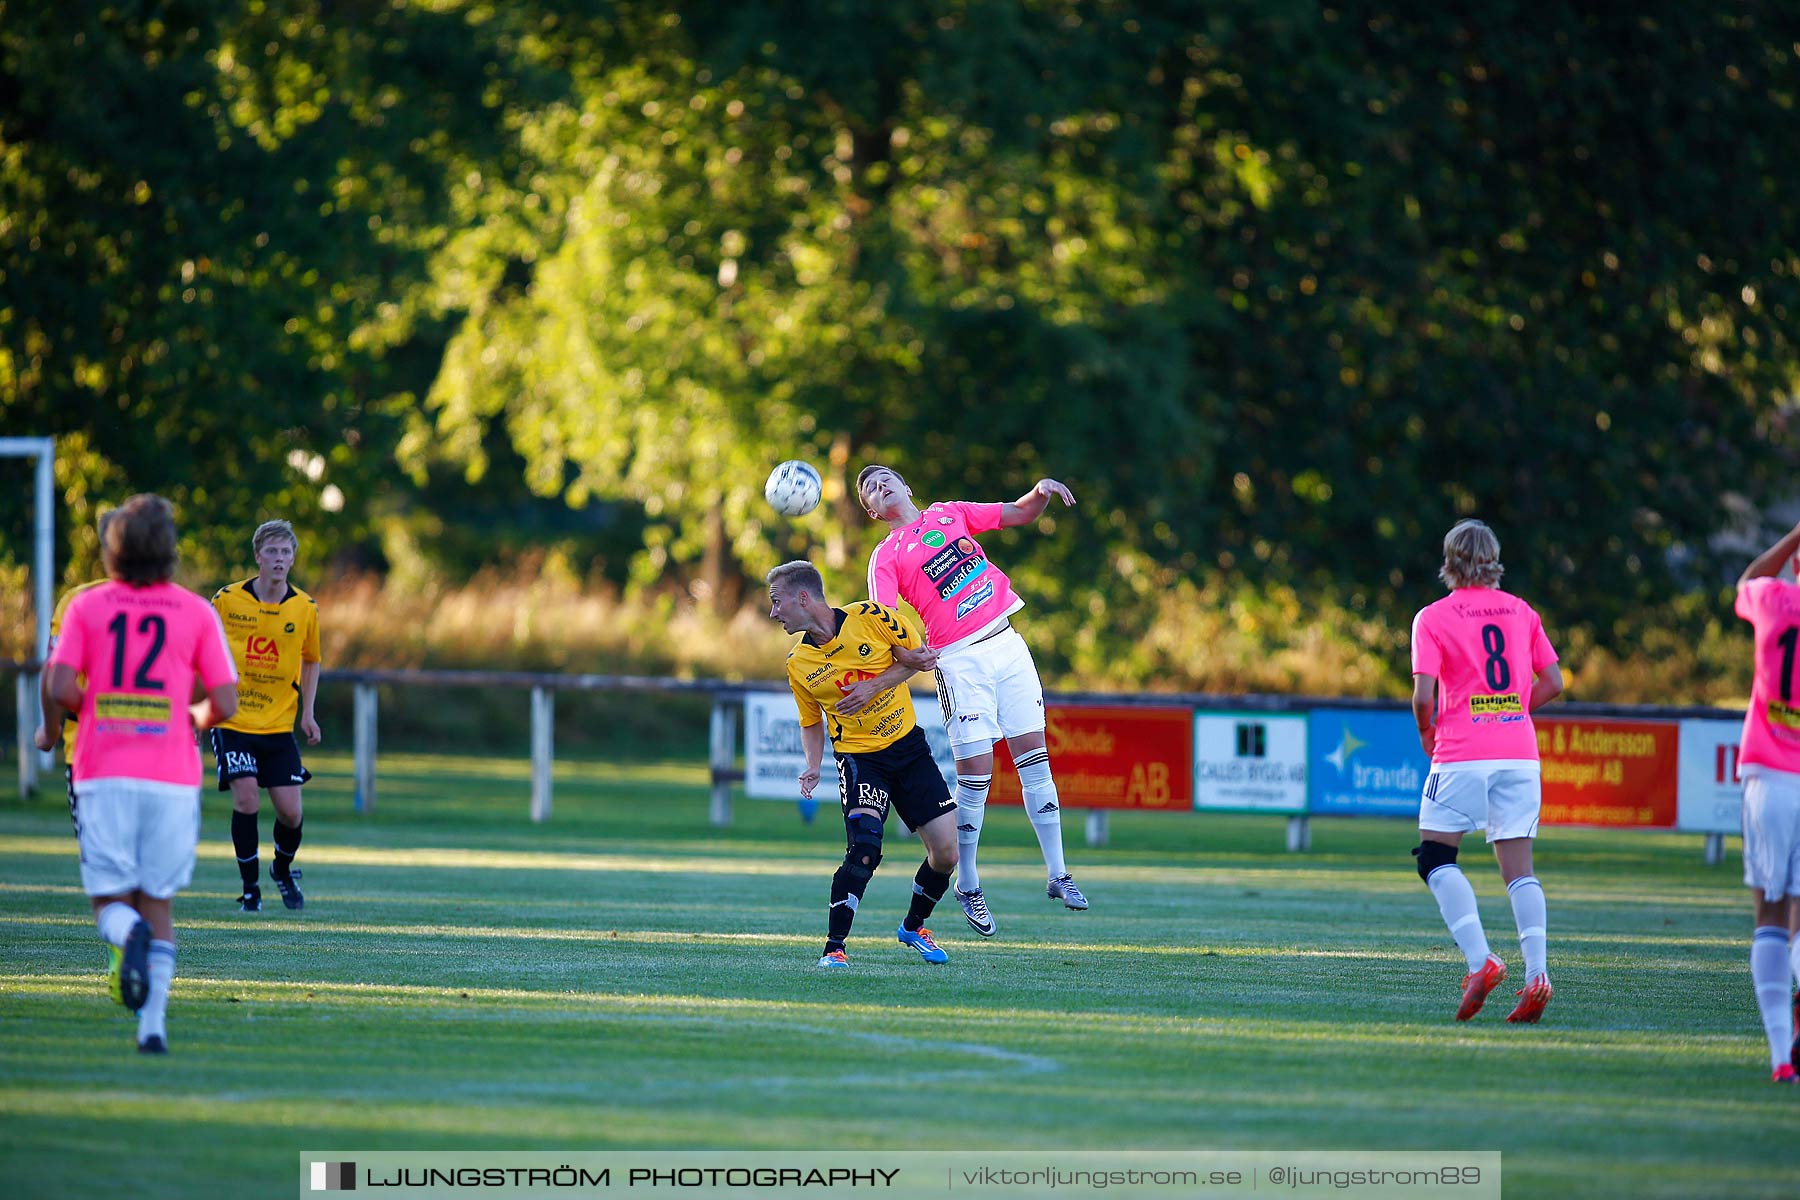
x: 43, y: 578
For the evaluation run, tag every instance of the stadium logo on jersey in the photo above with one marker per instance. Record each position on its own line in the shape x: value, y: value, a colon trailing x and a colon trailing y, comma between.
x: 976, y: 598
x: 933, y: 538
x: 262, y: 652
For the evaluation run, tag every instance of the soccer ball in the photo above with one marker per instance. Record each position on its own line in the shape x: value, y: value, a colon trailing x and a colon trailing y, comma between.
x: 793, y: 488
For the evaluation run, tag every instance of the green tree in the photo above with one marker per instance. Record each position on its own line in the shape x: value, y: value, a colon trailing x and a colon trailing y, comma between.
x: 214, y: 219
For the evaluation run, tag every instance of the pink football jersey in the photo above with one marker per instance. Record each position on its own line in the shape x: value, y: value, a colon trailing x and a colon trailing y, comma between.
x: 936, y: 565
x: 1772, y: 726
x: 1483, y: 646
x: 141, y: 649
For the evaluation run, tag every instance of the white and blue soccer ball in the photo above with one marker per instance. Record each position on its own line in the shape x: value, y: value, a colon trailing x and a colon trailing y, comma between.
x: 793, y: 488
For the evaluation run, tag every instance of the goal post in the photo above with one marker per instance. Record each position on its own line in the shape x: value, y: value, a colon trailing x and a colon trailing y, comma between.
x: 43, y: 578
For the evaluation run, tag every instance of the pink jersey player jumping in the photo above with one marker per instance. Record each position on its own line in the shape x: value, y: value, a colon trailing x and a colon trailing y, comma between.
x: 987, y: 684
x: 1769, y: 761
x: 141, y: 643
x: 1481, y: 666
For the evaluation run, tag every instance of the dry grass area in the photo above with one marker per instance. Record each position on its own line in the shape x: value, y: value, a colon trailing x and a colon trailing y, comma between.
x: 515, y: 623
x: 1197, y: 636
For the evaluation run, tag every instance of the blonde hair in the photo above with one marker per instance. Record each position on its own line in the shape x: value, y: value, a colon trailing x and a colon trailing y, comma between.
x: 1471, y: 556
x: 268, y: 531
x: 798, y: 574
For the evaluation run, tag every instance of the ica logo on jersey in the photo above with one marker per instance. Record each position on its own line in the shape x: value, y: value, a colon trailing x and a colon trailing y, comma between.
x: 852, y: 678
x: 262, y: 651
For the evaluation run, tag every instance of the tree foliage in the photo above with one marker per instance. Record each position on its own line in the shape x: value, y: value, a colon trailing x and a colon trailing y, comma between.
x: 1281, y: 290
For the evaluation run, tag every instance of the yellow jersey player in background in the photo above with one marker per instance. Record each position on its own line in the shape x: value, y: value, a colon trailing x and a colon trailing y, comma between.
x: 273, y: 628
x: 66, y: 727
x: 846, y: 672
x: 66, y: 722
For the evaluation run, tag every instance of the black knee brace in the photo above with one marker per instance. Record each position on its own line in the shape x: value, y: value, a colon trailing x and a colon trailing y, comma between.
x: 1431, y: 856
x: 863, y: 854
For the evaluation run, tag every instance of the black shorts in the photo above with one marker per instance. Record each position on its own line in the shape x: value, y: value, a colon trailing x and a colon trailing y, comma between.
x: 274, y: 758
x: 903, y: 775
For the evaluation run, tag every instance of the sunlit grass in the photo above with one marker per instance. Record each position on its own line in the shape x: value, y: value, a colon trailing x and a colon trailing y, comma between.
x: 628, y: 976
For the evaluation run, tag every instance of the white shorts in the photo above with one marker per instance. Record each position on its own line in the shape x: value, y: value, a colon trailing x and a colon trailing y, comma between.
x: 989, y: 690
x: 136, y: 835
x: 1771, y: 831
x: 1505, y: 802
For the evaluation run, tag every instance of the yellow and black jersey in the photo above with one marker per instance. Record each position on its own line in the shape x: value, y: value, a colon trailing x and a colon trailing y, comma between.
x: 56, y: 620
x: 863, y: 648
x: 268, y: 643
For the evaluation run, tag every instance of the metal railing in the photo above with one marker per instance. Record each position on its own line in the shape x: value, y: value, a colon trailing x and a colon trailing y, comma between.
x: 727, y: 704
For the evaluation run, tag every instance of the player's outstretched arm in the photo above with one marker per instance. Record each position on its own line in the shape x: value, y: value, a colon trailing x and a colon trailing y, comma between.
x: 1770, y: 561
x: 1031, y: 505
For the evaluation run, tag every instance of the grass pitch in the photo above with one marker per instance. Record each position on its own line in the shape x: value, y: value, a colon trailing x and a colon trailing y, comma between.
x: 628, y: 977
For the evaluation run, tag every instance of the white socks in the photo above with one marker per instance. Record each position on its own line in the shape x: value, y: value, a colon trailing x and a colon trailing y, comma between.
x: 1456, y: 901
x: 116, y: 921
x: 1043, y: 807
x: 971, y: 807
x: 1527, y: 896
x: 1772, y: 969
x: 162, y: 973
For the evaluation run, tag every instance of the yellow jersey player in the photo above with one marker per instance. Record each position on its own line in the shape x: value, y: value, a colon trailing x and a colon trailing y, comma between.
x: 273, y: 628
x: 65, y: 727
x: 66, y: 722
x: 845, y: 671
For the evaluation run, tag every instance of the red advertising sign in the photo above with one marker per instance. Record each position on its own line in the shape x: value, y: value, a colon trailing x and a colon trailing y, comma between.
x: 1112, y: 756
x: 1618, y: 773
